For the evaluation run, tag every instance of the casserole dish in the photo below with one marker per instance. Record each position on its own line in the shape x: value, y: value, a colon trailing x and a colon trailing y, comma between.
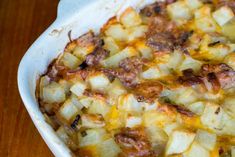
x: 78, y: 17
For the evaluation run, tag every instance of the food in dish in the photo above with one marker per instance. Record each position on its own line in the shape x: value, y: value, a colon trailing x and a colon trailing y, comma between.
x: 154, y: 82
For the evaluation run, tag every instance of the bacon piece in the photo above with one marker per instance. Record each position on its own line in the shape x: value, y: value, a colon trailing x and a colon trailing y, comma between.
x: 163, y: 35
x: 189, y: 79
x: 127, y: 71
x: 148, y: 91
x: 95, y: 57
x: 219, y: 75
x: 89, y: 39
x: 134, y: 142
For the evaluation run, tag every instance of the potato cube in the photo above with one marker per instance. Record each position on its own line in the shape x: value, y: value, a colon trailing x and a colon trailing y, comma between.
x: 137, y: 32
x: 186, y: 96
x: 145, y: 51
x: 194, y: 4
x: 70, y: 60
x: 206, y: 139
x: 133, y: 121
x: 68, y: 110
x: 233, y: 151
x: 169, y: 128
x: 114, y: 60
x: 197, y: 150
x: 86, y: 101
x: 78, y: 88
x: 179, y: 11
x: 92, y: 121
x: 44, y: 81
x: 108, y: 148
x: 111, y: 45
x: 212, y: 116
x: 130, y: 18
x: 116, y: 88
x: 197, y: 107
x: 190, y: 63
x: 151, y: 73
x: 53, y: 93
x: 175, y: 60
x: 128, y: 102
x: 223, y: 15
x: 229, y: 106
x: 98, y: 81
x: 99, y: 107
x: 117, y: 32
x: 206, y: 24
x: 92, y: 137
x: 179, y: 142
x: 228, y: 29
x: 81, y: 52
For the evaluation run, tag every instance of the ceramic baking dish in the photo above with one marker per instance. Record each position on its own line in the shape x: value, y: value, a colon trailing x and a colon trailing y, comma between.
x: 77, y: 16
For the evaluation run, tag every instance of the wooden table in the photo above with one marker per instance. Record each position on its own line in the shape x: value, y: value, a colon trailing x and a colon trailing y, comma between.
x: 21, y: 22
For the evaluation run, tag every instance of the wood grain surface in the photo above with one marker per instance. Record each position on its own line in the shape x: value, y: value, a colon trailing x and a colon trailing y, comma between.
x: 21, y: 22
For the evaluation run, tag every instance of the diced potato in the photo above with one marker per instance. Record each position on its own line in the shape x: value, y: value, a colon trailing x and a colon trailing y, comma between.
x: 194, y: 4
x: 115, y: 89
x: 218, y: 52
x: 92, y: 121
x: 230, y: 60
x: 76, y: 101
x: 68, y: 110
x: 206, y: 139
x: 223, y: 15
x: 151, y: 73
x: 150, y: 107
x: 53, y: 93
x: 212, y: 116
x: 111, y: 45
x: 99, y: 107
x: 175, y: 60
x: 98, y: 81
x: 233, y: 151
x: 128, y: 102
x: 114, y: 60
x: 86, y: 101
x: 68, y: 136
x: 92, y: 137
x: 229, y: 106
x: 66, y: 85
x: 145, y: 51
x: 190, y: 63
x: 70, y: 60
x: 228, y: 29
x: 179, y: 11
x: 108, y: 148
x: 186, y: 96
x: 133, y: 121
x: 78, y: 88
x: 203, y: 12
x: 117, y: 32
x: 130, y: 18
x: 158, y: 138
x: 137, y: 32
x: 81, y: 52
x: 154, y: 118
x: 169, y: 128
x: 204, y: 20
x: 44, y: 81
x: 197, y: 107
x: 179, y: 142
x: 197, y: 150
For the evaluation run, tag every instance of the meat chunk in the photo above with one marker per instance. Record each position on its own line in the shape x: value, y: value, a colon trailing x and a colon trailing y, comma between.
x: 157, y: 8
x: 95, y: 57
x: 219, y: 73
x: 148, y: 91
x: 163, y: 35
x: 189, y: 79
x: 127, y: 72
x: 89, y: 39
x: 134, y: 142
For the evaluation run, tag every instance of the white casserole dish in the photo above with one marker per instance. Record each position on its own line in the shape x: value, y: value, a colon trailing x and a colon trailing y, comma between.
x: 79, y: 16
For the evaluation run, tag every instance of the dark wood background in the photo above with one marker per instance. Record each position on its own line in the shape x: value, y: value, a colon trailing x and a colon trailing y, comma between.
x: 21, y: 22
